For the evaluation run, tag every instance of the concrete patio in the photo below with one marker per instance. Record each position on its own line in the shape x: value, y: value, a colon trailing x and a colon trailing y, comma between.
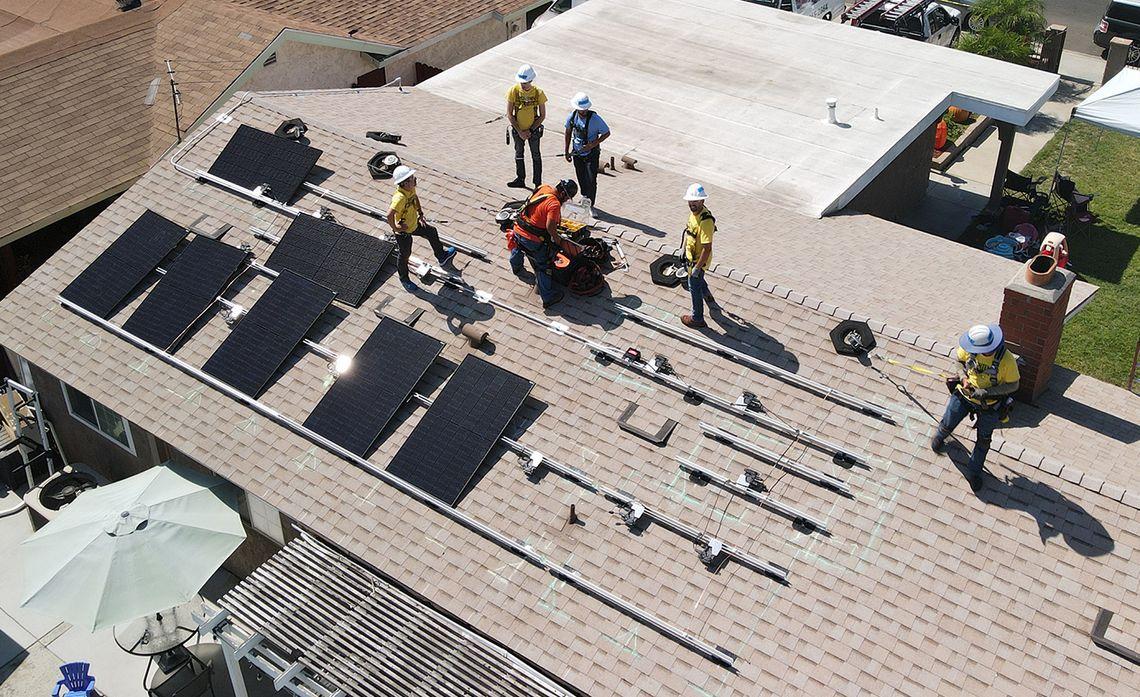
x: 33, y: 646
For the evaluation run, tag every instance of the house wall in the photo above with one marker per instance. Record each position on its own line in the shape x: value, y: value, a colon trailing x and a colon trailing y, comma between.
x: 447, y: 51
x: 80, y: 443
x: 303, y: 66
x: 901, y: 186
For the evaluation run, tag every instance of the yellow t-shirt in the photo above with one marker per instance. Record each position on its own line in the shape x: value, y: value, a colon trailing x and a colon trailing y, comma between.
x: 698, y: 233
x: 407, y: 206
x: 526, y: 104
x: 981, y: 374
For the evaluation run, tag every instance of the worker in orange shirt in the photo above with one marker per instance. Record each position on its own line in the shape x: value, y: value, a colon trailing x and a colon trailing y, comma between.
x: 535, y: 231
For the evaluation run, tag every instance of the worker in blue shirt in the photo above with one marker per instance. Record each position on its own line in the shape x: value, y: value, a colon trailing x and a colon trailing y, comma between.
x: 585, y: 132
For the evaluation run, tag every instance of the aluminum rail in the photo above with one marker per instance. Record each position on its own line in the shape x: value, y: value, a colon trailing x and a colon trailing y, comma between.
x: 776, y: 459
x: 684, y: 529
x: 522, y: 549
x: 769, y: 369
x: 742, y: 408
x: 361, y: 207
x: 751, y: 494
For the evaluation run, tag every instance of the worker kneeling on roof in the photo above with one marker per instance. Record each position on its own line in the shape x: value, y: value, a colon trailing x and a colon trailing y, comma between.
x: 989, y: 377
x: 698, y: 253
x: 406, y: 218
x: 535, y: 232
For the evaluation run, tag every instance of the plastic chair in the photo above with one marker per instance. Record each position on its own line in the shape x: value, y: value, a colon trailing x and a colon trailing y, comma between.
x: 76, y: 681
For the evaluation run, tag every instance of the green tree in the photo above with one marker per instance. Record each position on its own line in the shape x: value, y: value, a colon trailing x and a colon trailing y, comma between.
x: 995, y: 42
x: 1025, y: 18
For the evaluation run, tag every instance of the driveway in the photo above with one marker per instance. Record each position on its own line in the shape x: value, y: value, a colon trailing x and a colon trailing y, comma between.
x: 1081, y: 17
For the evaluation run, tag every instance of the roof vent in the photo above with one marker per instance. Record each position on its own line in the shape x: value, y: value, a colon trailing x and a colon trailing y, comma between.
x: 832, y: 102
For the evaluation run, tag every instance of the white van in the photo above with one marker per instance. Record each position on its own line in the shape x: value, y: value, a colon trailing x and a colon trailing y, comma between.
x: 824, y: 9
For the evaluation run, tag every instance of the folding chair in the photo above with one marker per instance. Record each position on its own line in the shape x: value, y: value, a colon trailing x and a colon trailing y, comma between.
x: 1074, y: 205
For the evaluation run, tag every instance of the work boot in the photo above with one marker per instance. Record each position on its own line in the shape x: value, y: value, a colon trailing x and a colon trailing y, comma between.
x: 523, y: 275
x: 975, y: 481
x: 448, y: 256
x: 547, y: 304
x: 688, y: 321
x: 519, y: 183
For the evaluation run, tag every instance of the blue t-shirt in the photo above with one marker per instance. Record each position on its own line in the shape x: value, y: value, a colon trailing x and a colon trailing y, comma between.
x: 580, y: 134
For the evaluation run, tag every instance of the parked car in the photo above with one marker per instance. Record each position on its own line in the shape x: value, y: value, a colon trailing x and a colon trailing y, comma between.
x: 924, y: 20
x: 824, y: 9
x: 556, y: 8
x: 1121, y: 18
x: 966, y: 18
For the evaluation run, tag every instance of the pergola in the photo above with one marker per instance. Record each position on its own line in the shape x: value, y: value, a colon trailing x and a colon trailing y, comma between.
x: 320, y: 624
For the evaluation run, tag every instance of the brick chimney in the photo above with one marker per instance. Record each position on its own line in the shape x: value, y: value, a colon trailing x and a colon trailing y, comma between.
x: 1033, y: 318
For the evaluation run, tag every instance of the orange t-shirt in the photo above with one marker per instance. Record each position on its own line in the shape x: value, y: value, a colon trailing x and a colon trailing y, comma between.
x: 542, y: 213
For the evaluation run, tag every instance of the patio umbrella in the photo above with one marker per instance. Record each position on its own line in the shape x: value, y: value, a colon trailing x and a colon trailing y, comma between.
x: 138, y: 546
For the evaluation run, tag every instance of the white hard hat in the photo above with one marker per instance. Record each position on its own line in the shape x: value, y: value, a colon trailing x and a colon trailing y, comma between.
x: 581, y: 101
x: 981, y: 338
x: 695, y: 192
x: 402, y: 173
x: 525, y: 73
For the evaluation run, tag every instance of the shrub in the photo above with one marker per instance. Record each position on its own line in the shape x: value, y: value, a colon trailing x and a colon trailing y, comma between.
x: 995, y: 42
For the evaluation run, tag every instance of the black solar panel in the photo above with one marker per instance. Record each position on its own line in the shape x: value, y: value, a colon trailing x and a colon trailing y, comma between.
x: 121, y: 267
x: 190, y: 286
x: 384, y: 371
x: 265, y: 337
x: 455, y: 435
x: 331, y: 254
x: 254, y: 157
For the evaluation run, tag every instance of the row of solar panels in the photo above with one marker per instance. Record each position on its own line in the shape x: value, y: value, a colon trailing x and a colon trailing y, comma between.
x: 318, y: 260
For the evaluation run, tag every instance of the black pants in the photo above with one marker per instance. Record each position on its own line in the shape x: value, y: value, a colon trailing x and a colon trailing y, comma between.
x: 404, y: 244
x: 535, y: 155
x: 586, y: 171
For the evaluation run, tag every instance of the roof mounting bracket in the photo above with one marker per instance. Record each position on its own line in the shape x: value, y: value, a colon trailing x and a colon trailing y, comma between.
x: 748, y: 402
x: 710, y: 550
x: 631, y: 512
x: 531, y: 464
x: 751, y: 479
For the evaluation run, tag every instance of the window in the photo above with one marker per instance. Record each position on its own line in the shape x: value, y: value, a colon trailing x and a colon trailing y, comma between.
x: 98, y: 417
x: 263, y: 518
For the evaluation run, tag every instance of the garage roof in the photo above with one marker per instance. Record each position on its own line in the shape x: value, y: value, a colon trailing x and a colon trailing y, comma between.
x: 740, y: 90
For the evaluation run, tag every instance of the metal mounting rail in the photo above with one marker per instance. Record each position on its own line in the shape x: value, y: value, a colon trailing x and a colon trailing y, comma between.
x: 776, y: 459
x: 746, y: 407
x: 374, y: 212
x: 764, y: 367
x: 533, y: 459
x: 745, y: 491
x: 522, y: 549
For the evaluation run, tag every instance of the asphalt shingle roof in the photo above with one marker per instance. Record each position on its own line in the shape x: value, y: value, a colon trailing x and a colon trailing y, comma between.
x: 922, y: 587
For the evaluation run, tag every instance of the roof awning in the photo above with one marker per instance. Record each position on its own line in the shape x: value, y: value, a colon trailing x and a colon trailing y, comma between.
x: 322, y: 625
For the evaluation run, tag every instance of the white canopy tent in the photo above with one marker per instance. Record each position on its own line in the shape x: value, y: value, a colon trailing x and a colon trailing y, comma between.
x: 1116, y: 105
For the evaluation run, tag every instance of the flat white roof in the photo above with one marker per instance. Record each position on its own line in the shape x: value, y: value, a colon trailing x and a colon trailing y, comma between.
x: 734, y: 93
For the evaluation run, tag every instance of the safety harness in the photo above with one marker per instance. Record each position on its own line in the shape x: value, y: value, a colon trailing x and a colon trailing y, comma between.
x: 974, y: 366
x: 581, y: 131
x: 530, y: 230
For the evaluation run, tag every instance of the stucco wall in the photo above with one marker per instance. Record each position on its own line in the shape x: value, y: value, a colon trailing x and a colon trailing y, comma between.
x: 302, y: 66
x: 901, y: 186
x: 80, y: 443
x: 447, y: 51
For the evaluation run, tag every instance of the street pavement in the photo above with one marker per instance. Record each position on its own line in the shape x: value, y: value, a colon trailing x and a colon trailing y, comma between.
x: 1081, y: 17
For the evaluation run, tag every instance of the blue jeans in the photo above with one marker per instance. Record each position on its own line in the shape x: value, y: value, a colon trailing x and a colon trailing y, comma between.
x: 540, y: 261
x: 517, y: 257
x: 987, y: 420
x: 698, y: 289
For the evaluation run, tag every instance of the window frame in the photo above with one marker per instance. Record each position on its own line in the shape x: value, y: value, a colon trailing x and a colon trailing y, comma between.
x: 129, y: 446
